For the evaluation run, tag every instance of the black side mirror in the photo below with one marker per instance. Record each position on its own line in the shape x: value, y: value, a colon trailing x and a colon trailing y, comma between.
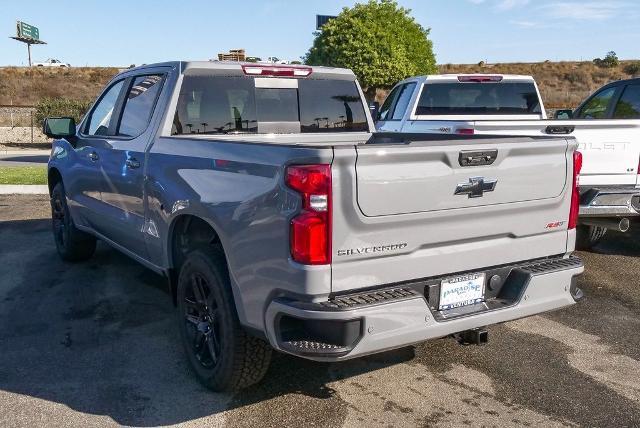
x: 59, y: 127
x: 374, y: 109
x: 563, y: 114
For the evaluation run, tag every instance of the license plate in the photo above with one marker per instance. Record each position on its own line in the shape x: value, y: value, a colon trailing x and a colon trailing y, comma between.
x: 461, y: 291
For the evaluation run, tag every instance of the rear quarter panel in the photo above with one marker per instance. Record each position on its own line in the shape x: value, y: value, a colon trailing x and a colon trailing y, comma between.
x: 238, y: 188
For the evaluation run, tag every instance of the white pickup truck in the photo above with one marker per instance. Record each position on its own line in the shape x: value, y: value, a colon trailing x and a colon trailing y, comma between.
x: 52, y: 62
x: 451, y: 103
x: 606, y: 125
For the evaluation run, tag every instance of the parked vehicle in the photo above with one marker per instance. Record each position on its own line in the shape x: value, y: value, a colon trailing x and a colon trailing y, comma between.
x: 610, y: 142
x: 282, y: 221
x: 450, y: 103
x: 52, y: 62
x: 276, y: 60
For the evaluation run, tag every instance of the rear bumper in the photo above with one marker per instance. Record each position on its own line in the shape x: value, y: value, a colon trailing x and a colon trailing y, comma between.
x: 359, y: 324
x: 610, y: 202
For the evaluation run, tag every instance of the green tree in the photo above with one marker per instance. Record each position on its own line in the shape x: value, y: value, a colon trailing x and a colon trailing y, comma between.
x: 380, y: 41
x: 609, y: 61
x: 64, y: 107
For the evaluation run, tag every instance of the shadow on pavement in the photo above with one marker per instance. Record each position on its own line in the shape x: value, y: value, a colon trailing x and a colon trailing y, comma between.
x: 100, y: 338
x: 29, y: 158
x: 622, y: 244
x: 23, y: 145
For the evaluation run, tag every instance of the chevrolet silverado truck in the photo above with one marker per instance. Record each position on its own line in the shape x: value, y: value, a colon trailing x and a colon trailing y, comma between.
x: 606, y: 126
x: 282, y: 221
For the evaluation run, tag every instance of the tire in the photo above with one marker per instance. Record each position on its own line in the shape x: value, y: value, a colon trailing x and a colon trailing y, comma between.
x: 72, y: 244
x: 221, y: 353
x: 589, y: 236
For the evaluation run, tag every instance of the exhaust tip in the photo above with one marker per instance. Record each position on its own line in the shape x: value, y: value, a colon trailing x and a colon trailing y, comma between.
x: 623, y: 226
x: 618, y: 224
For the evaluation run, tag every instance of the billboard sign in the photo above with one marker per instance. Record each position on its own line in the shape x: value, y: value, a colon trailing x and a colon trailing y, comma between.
x: 26, y: 31
x: 322, y: 19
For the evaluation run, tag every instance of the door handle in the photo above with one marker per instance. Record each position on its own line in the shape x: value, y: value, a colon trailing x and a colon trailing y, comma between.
x: 132, y: 163
x: 94, y: 156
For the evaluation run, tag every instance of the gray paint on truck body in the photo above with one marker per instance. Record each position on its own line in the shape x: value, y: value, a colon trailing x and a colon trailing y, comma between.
x: 384, y: 196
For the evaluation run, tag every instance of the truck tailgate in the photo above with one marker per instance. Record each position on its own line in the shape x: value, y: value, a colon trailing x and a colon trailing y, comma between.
x: 421, y: 178
x: 397, y: 216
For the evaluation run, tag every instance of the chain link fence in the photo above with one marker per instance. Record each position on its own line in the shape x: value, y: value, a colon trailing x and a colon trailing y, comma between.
x: 20, y: 129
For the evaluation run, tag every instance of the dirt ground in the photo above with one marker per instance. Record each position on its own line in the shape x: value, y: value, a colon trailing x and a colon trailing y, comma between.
x: 96, y: 344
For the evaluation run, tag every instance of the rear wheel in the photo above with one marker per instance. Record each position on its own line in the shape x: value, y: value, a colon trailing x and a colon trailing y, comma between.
x: 223, y: 356
x: 72, y: 244
x: 589, y: 236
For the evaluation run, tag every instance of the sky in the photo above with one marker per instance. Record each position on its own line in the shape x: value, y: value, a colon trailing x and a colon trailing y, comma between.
x: 121, y: 32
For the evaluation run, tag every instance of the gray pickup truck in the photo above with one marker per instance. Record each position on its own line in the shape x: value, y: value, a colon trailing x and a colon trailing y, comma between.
x: 282, y: 221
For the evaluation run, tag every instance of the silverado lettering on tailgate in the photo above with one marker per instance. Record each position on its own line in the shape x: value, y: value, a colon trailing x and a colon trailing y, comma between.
x: 373, y: 249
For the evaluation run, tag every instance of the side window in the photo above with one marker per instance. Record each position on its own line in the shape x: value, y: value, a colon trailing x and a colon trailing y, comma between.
x: 596, y: 107
x: 385, y: 110
x: 403, y: 101
x: 629, y: 105
x: 101, y: 115
x: 139, y: 104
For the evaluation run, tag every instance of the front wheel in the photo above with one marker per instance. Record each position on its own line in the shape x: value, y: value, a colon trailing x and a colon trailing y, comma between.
x: 223, y: 356
x: 72, y: 244
x: 588, y: 236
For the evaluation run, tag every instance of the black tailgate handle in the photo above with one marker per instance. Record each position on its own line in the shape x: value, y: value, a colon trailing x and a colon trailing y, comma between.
x: 562, y: 130
x: 477, y: 158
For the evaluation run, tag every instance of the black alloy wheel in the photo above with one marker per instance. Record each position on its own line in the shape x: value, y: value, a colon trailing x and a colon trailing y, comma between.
x: 201, y: 316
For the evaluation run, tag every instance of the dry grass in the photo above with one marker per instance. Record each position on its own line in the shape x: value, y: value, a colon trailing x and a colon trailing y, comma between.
x: 25, y: 86
x: 563, y: 84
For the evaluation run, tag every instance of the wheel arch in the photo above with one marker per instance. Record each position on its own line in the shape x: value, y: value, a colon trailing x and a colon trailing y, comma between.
x: 53, y: 177
x: 187, y: 232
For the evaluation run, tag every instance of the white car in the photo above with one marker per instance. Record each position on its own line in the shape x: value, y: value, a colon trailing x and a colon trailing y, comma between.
x: 52, y: 62
x: 276, y: 60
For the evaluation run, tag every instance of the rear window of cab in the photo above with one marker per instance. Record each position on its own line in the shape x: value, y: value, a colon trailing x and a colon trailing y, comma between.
x: 211, y: 104
x: 473, y: 98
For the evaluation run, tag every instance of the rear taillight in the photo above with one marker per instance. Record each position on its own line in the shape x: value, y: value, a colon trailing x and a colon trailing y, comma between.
x: 276, y: 71
x: 310, y: 233
x: 465, y: 131
x: 479, y: 79
x: 575, y: 193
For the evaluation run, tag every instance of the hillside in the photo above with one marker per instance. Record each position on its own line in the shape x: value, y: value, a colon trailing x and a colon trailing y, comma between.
x: 563, y: 84
x: 24, y: 86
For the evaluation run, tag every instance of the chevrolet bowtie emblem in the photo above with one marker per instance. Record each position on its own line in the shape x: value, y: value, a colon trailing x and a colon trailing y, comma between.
x: 476, y: 187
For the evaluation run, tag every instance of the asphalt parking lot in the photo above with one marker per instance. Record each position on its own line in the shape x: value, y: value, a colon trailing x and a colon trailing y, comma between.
x: 95, y: 344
